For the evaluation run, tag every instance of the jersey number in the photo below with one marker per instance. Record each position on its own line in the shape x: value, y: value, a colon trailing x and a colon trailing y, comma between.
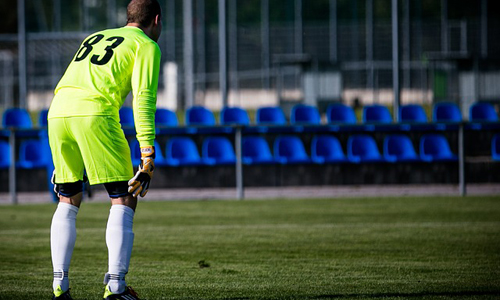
x: 86, y: 48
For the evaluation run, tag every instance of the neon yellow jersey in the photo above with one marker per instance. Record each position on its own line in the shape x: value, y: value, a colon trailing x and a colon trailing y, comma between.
x: 108, y: 65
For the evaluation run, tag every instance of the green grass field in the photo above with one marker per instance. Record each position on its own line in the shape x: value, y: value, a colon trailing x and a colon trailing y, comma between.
x: 382, y: 248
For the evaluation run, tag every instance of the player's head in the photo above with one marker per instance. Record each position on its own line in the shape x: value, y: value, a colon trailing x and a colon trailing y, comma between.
x: 146, y: 13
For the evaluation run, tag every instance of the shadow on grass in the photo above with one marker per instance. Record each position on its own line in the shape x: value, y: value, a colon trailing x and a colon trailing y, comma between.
x: 409, y: 295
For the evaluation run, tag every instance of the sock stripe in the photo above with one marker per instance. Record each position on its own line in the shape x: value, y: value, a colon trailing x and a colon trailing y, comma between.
x: 116, y: 277
x: 60, y: 275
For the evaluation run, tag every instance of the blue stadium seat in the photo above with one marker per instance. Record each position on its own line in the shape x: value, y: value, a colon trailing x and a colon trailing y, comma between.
x: 446, y: 112
x: 363, y: 148
x: 270, y: 115
x: 495, y: 147
x: 255, y: 150
x: 160, y: 158
x: 399, y: 148
x: 135, y: 151
x: 165, y: 117
x: 234, y: 115
x: 44, y: 143
x: 4, y: 154
x: 126, y: 116
x: 290, y: 150
x: 413, y: 113
x: 435, y: 147
x: 182, y: 151
x: 199, y: 115
x: 340, y: 114
x: 327, y: 149
x: 49, y: 167
x: 482, y: 111
x: 376, y: 114
x: 16, y: 117
x: 219, y: 149
x: 305, y: 114
x: 42, y: 118
x: 31, y: 155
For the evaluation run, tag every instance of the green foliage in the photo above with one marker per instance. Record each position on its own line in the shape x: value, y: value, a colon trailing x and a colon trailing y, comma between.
x: 397, y: 248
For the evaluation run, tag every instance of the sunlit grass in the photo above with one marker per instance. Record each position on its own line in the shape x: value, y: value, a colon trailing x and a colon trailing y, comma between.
x: 281, y: 249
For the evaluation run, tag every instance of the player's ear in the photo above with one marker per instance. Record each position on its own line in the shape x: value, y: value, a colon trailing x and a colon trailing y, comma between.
x: 156, y: 28
x: 157, y: 20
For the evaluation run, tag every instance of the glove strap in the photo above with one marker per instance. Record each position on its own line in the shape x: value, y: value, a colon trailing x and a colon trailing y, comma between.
x: 148, y: 151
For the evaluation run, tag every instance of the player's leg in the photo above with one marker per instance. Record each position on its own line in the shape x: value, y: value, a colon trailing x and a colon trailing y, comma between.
x: 62, y: 242
x: 119, y: 238
x: 107, y: 158
x: 69, y: 173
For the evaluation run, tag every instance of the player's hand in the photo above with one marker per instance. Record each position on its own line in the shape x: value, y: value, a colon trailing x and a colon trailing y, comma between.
x: 139, y: 184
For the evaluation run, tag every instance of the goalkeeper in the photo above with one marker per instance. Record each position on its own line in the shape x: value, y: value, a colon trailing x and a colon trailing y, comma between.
x: 85, y: 134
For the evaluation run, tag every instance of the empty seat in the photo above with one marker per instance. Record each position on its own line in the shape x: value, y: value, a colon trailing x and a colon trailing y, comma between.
x: 4, y: 154
x: 255, y: 150
x: 135, y: 151
x: 326, y: 149
x: 42, y: 118
x: 340, y: 113
x: 234, y: 115
x: 495, y: 147
x: 45, y: 148
x: 446, y: 112
x: 305, y: 114
x: 199, y: 115
x: 398, y: 147
x: 270, y: 115
x: 376, y: 114
x: 165, y: 117
x: 218, y: 149
x: 482, y: 111
x: 126, y: 116
x: 49, y: 167
x: 183, y: 151
x: 413, y: 113
x: 363, y: 148
x: 31, y: 155
x: 17, y: 118
x: 290, y: 150
x: 435, y: 147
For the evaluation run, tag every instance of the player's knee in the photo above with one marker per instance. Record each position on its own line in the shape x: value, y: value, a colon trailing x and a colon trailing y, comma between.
x: 117, y: 189
x: 69, y: 189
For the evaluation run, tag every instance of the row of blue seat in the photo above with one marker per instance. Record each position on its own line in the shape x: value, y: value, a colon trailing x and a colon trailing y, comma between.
x: 301, y: 114
x: 217, y: 150
x: 306, y: 114
x: 33, y: 153
x: 290, y: 149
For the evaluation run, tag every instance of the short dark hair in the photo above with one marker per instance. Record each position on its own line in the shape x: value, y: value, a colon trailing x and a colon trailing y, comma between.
x: 142, y: 11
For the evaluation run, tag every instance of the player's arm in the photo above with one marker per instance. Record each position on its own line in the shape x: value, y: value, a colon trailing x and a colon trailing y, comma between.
x: 144, y: 90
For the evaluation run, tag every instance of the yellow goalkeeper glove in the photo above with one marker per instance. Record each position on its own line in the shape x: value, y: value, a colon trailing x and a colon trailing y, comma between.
x: 139, y: 184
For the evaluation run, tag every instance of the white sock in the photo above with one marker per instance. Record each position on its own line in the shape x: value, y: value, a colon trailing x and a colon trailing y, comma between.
x: 62, y: 243
x: 119, y: 239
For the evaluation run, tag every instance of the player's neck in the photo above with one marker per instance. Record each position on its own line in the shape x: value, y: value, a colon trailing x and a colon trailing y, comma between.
x: 146, y: 30
x: 136, y: 25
